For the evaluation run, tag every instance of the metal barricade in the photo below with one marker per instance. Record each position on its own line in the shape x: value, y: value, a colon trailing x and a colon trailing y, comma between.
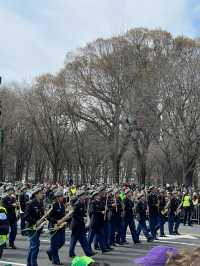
x: 195, y: 214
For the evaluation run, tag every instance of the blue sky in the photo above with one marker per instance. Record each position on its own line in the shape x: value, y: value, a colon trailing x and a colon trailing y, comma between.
x: 36, y: 35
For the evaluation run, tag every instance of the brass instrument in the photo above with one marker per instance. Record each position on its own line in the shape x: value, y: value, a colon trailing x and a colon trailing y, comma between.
x: 62, y: 222
x: 43, y: 220
x: 106, y: 207
x: 166, y: 208
x: 116, y: 207
x: 178, y: 210
x: 88, y: 217
x: 16, y: 205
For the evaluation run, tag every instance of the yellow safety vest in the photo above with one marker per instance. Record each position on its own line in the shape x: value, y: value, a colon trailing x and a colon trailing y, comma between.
x: 186, y: 201
x: 73, y: 190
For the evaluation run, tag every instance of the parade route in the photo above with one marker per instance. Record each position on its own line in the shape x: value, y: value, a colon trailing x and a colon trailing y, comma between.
x: 121, y: 255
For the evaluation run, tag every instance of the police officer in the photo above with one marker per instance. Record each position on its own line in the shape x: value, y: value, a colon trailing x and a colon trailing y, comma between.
x: 4, y: 228
x: 78, y: 230
x: 153, y: 211
x: 9, y: 202
x: 187, y: 206
x: 23, y: 200
x: 57, y: 237
x: 129, y: 217
x: 174, y: 215
x: 33, y: 213
x: 96, y: 213
x: 141, y: 212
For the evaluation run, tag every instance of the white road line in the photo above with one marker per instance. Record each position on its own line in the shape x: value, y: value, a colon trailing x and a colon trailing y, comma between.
x: 12, y: 263
x: 176, y: 242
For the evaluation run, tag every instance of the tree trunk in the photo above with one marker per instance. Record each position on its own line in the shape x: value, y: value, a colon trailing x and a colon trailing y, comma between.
x: 141, y: 172
x: 116, y: 170
x: 27, y: 172
x: 82, y: 174
x: 1, y: 168
x: 55, y: 172
x: 188, y: 172
x: 19, y: 170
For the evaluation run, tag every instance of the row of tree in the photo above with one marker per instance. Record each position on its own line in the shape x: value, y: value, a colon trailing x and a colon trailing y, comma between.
x: 121, y: 109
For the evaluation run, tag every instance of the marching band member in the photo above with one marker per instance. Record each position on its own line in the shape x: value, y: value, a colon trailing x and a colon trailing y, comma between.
x: 161, y: 209
x: 9, y: 202
x: 23, y: 199
x: 33, y: 214
x: 107, y: 201
x: 96, y: 213
x: 78, y: 230
x: 141, y: 212
x: 174, y: 214
x: 129, y: 217
x: 58, y: 236
x: 153, y: 211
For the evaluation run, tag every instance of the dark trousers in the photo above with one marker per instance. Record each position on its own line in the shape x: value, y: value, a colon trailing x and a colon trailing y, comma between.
x: 13, y: 232
x: 81, y: 237
x: 57, y: 241
x: 173, y: 223
x: 161, y: 220
x: 22, y: 222
x: 187, y: 215
x: 99, y: 237
x: 129, y: 222
x: 153, y: 224
x: 116, y: 230
x: 33, y: 249
x: 107, y: 233
x: 143, y: 227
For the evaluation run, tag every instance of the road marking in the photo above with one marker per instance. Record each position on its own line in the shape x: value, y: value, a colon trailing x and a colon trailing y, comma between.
x: 12, y: 263
x: 170, y: 237
x: 176, y: 242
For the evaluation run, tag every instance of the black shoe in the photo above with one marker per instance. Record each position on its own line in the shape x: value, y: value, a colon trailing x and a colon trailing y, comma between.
x: 12, y: 245
x: 105, y: 251
x: 109, y: 248
x: 177, y: 233
x: 49, y: 255
x: 163, y: 235
x: 125, y: 242
x: 173, y: 234
x: 137, y: 242
x: 93, y: 254
x: 97, y: 248
x: 1, y: 251
x: 150, y: 240
x: 72, y: 256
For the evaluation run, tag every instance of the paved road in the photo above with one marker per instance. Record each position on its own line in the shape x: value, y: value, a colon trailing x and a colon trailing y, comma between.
x: 122, y: 255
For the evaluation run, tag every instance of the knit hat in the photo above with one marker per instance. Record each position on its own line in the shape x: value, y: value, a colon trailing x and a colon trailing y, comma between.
x: 82, y: 261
